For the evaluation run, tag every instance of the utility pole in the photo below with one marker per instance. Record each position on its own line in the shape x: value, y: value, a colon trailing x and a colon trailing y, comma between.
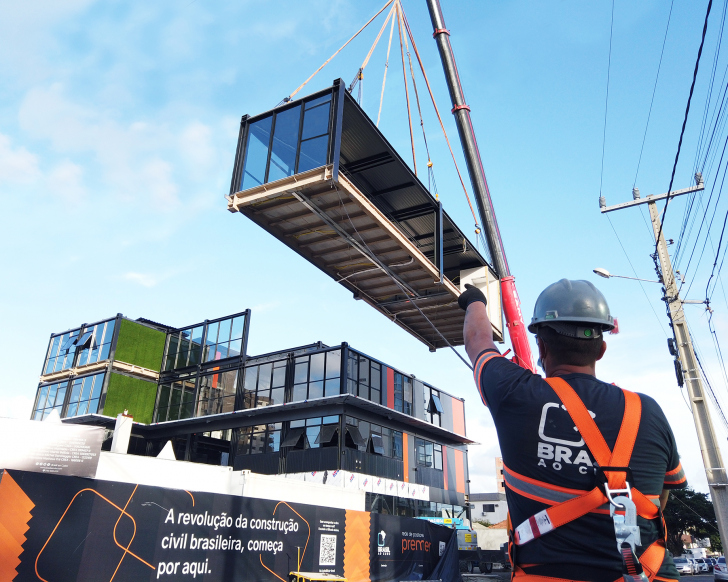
x: 686, y: 364
x: 461, y: 111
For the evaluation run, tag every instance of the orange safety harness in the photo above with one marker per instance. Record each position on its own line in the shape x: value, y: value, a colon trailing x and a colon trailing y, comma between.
x: 614, y: 476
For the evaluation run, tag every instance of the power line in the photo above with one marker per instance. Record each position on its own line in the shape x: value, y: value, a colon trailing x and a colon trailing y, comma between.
x: 682, y: 131
x: 606, y: 101
x: 654, y: 89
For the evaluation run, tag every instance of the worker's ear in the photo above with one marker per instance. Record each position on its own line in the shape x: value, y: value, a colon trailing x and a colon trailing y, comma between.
x: 602, y: 351
x: 542, y: 350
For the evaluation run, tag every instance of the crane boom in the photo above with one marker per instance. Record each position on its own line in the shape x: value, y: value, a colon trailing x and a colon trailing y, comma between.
x: 461, y: 111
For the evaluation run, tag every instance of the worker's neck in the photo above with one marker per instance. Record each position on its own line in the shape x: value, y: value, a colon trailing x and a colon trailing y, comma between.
x: 564, y: 369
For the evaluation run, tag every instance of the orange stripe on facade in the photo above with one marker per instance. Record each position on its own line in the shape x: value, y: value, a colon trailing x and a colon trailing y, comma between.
x: 458, y: 416
x: 15, y: 507
x: 390, y: 388
x: 356, y: 546
x: 459, y: 471
x: 405, y: 457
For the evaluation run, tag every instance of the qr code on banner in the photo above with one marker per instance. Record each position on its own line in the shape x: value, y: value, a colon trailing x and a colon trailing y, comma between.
x: 327, y: 557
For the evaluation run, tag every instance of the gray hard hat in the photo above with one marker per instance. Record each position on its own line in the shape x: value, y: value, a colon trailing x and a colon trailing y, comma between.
x: 571, y: 302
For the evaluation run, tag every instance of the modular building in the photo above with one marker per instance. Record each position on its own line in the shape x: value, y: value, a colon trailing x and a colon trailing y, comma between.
x: 317, y: 412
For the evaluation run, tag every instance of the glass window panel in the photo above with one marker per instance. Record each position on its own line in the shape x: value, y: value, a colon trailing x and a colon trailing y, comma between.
x: 353, y: 368
x: 351, y: 387
x: 312, y: 433
x: 364, y: 430
x: 363, y: 370
x: 428, y: 454
x: 314, y: 102
x: 316, y: 121
x: 332, y: 387
x: 376, y: 376
x: 238, y: 325
x: 251, y: 378
x: 301, y: 374
x: 224, y: 334
x: 94, y: 357
x: 256, y: 153
x: 72, y: 408
x: 315, y: 421
x: 175, y: 402
x: 299, y: 393
x: 297, y: 423
x: 54, y: 345
x: 363, y: 391
x: 109, y: 331
x: 279, y: 377
x: 42, y: 397
x: 277, y: 396
x: 285, y: 140
x: 438, y: 457
x: 317, y: 367
x: 330, y: 419
x: 212, y: 329
x: 264, y: 376
x: 236, y: 346
x: 313, y: 153
x: 315, y: 390
x: 50, y: 364
x: 68, y: 341
x: 397, y: 445
x: 263, y: 398
x: 274, y: 441
x: 196, y: 334
x: 333, y: 364
x: 376, y: 396
x: 52, y: 389
x: 61, y: 394
x: 93, y: 406
x: 257, y: 443
x: 377, y: 444
x: 82, y: 408
x: 163, y: 396
x: 387, y: 442
x: 173, y: 345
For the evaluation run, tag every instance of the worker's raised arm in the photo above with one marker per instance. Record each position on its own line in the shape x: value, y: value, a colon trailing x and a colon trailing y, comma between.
x: 477, y: 331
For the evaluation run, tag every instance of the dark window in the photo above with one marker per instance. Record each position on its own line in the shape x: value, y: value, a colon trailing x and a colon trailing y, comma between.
x: 316, y: 376
x: 488, y: 508
x: 217, y: 393
x: 256, y: 153
x: 285, y: 140
x: 316, y: 121
x: 435, y: 404
x: 397, y: 444
x: 424, y: 452
x: 377, y: 444
x: 293, y: 436
x: 176, y: 400
x: 438, y: 457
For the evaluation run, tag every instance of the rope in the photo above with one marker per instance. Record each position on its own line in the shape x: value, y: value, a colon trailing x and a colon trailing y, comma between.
x: 337, y: 52
x: 439, y: 118
x: 400, y: 25
x: 360, y: 74
x: 386, y: 66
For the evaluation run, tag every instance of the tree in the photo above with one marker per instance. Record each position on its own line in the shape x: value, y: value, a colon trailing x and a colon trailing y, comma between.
x: 690, y: 512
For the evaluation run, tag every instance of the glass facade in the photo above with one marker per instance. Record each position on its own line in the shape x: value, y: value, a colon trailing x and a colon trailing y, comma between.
x: 317, y: 375
x: 364, y: 377
x: 428, y: 454
x: 70, y: 397
x: 206, y: 342
x: 287, y: 142
x: 403, y: 393
x: 375, y: 439
x: 78, y: 347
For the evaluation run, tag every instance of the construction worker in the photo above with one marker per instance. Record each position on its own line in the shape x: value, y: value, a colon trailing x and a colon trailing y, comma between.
x: 580, y: 456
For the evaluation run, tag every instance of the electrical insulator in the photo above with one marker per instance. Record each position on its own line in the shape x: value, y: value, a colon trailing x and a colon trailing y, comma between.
x: 602, y: 202
x: 698, y: 178
x: 636, y: 193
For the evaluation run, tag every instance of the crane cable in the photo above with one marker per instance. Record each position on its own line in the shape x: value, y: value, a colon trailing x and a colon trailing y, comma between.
x: 386, y: 67
x: 287, y: 99
x: 360, y: 73
x: 400, y: 26
x: 439, y: 118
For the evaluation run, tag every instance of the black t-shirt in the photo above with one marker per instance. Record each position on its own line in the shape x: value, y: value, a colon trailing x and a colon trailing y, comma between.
x: 539, y: 441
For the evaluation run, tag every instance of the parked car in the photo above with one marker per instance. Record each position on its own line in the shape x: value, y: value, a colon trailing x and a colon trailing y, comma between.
x: 694, y: 564
x: 683, y: 565
x: 704, y: 564
x: 720, y: 569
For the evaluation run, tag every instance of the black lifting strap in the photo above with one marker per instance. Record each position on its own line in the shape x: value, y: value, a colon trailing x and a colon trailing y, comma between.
x: 631, y: 568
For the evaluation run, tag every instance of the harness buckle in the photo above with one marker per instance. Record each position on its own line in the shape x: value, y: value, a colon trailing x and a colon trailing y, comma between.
x: 603, y: 483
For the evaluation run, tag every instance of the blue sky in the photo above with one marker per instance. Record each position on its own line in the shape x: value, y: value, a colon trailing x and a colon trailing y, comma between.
x: 118, y: 128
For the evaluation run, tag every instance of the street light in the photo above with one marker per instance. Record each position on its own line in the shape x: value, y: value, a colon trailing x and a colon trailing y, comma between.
x: 606, y: 274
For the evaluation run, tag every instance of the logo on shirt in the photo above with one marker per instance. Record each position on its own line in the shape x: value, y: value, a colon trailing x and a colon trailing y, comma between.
x: 556, y: 448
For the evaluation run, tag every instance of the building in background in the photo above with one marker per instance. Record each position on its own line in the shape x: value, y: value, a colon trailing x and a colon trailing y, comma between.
x: 321, y: 411
x: 490, y: 507
x: 500, y: 480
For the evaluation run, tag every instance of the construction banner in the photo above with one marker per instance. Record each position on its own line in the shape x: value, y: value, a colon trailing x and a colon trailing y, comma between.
x: 65, y: 529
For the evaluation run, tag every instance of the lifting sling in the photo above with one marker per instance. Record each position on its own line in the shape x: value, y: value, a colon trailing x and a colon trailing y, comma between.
x: 613, y: 477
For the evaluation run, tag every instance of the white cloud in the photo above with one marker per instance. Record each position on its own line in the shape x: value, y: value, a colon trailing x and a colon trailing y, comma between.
x: 196, y: 147
x: 17, y: 164
x: 65, y: 180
